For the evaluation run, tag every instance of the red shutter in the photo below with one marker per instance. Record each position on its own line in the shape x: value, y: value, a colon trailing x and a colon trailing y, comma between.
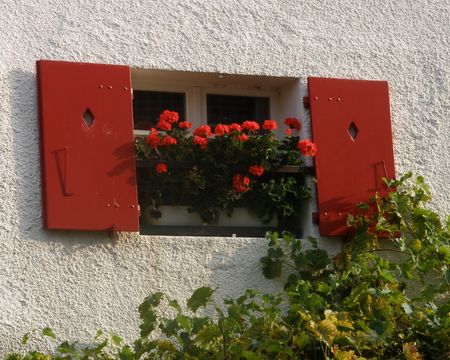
x: 87, y: 149
x: 351, y: 127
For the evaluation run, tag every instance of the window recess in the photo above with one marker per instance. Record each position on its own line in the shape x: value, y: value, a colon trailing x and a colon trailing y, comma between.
x: 211, y: 99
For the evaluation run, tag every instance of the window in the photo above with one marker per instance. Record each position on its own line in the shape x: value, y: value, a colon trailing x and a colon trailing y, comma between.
x: 207, y: 96
x: 209, y: 99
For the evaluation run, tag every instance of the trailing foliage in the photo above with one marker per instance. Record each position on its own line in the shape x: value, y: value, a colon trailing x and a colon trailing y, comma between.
x: 355, y: 306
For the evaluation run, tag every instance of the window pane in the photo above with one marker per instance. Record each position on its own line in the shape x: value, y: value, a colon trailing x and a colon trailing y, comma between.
x: 227, y: 109
x: 148, y: 105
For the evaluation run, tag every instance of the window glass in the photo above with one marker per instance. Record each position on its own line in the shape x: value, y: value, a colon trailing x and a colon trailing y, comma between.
x: 148, y: 105
x: 228, y: 109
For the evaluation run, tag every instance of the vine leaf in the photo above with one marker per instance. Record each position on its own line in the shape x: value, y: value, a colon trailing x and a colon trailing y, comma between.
x: 48, y: 332
x: 200, y: 298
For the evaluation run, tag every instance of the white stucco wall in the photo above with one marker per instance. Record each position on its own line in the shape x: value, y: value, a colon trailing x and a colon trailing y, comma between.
x: 78, y: 282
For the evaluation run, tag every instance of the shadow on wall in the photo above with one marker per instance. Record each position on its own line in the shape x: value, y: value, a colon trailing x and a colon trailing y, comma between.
x: 23, y: 110
x: 27, y: 195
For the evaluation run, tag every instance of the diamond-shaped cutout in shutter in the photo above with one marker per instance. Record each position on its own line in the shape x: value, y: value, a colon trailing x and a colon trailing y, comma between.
x: 88, y: 117
x: 353, y: 130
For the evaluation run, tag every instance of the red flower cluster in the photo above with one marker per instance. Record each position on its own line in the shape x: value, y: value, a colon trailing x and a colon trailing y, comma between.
x: 185, y: 125
x: 269, y: 125
x: 161, y: 168
x: 198, y: 140
x: 250, y: 125
x: 307, y: 147
x: 164, y: 125
x: 292, y: 123
x: 234, y: 127
x: 243, y: 137
x: 169, y: 140
x: 256, y: 170
x: 203, y: 131
x: 153, y: 138
x: 221, y: 129
x: 241, y: 183
x: 170, y: 116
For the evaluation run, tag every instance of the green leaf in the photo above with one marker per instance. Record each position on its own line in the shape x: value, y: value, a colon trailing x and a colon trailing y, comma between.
x: 168, y: 327
x: 200, y: 298
x: 324, y: 288
x: 48, y: 332
x: 25, y: 338
x: 184, y: 322
x: 273, y: 238
x: 312, y: 241
x: 98, y: 349
x: 116, y: 339
x: 208, y: 334
x: 67, y: 348
x: 13, y: 357
x: 126, y: 353
x: 271, y: 269
x: 301, y: 341
x: 99, y: 333
x: 275, y: 347
x: 363, y: 206
x: 174, y: 304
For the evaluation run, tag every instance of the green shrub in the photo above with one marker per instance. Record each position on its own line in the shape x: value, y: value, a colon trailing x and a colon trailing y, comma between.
x: 354, y: 306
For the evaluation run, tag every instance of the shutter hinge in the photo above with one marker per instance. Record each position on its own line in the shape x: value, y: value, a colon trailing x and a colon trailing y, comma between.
x: 306, y: 102
x: 112, y: 233
x: 315, y: 218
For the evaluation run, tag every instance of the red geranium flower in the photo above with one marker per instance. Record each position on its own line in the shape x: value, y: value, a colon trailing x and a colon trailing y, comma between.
x: 256, y: 170
x: 153, y: 138
x: 185, y: 125
x: 164, y: 125
x: 234, y: 127
x: 169, y: 140
x: 250, y: 125
x: 204, y: 131
x: 161, y: 168
x: 288, y: 132
x: 170, y: 116
x: 241, y: 183
x: 198, y: 140
x: 243, y: 137
x: 307, y: 147
x: 269, y: 125
x: 221, y: 129
x: 292, y: 123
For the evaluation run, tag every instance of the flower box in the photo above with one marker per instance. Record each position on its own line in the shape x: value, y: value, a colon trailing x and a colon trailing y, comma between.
x: 213, y: 176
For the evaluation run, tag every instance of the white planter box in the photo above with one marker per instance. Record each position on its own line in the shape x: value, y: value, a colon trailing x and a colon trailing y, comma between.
x: 178, y: 216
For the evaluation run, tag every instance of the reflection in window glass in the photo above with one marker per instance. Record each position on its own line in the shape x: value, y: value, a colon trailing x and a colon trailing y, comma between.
x: 147, y: 105
x: 228, y: 109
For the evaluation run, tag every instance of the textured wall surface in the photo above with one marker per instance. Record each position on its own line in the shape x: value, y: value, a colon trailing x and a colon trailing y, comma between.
x: 78, y: 282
